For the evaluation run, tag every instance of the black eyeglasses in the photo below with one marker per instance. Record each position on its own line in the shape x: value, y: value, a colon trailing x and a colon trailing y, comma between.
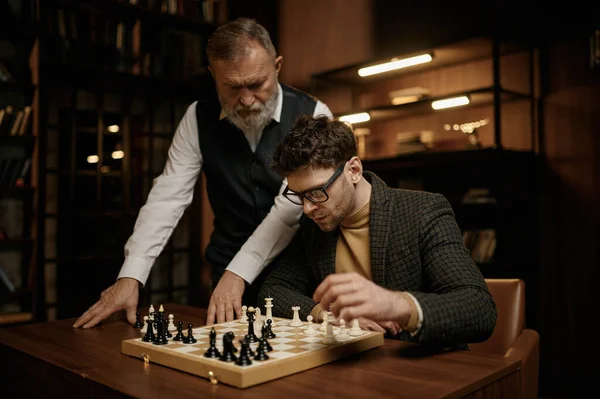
x: 316, y: 195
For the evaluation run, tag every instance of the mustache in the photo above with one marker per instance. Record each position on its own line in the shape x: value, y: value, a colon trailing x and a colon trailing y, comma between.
x: 253, y: 107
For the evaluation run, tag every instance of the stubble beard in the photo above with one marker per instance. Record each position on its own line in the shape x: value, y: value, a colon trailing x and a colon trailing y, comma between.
x: 342, y: 209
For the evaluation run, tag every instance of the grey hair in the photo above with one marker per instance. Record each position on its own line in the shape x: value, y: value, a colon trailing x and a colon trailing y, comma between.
x: 229, y: 41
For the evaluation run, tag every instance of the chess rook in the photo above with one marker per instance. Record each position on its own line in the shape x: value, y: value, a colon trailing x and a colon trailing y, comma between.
x: 296, y: 322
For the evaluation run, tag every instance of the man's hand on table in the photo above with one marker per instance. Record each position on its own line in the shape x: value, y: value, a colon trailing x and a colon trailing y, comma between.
x: 226, y: 299
x: 122, y: 295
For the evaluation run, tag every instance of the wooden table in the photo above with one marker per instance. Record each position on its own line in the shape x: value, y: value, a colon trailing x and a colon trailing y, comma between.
x: 55, y: 360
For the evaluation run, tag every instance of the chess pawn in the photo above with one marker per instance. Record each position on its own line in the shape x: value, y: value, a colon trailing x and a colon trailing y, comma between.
x: 323, y: 326
x: 329, y: 337
x: 151, y: 311
x: 343, y: 333
x: 145, y: 326
x: 310, y: 329
x: 261, y: 353
x: 172, y: 327
x: 179, y: 336
x: 138, y: 320
x: 355, y: 330
x: 189, y: 339
x: 244, y: 318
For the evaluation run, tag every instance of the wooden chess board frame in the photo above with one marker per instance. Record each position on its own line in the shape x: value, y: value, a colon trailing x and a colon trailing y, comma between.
x: 259, y: 372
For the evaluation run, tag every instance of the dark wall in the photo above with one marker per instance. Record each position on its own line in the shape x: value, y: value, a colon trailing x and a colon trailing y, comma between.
x: 264, y: 11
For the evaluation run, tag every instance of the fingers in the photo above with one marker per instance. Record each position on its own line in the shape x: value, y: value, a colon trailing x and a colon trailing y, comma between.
x: 237, y: 306
x: 229, y: 311
x: 367, y: 324
x: 131, y: 314
x: 220, y: 312
x: 210, y: 315
x: 98, y: 317
x: 337, y: 292
x: 390, y: 327
x: 87, y: 315
x: 354, y: 312
x: 329, y: 281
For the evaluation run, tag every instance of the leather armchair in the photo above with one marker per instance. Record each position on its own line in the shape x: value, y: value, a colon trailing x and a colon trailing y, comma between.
x: 510, y: 337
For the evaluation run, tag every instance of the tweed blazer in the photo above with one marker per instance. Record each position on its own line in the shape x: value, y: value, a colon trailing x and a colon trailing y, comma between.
x: 416, y: 246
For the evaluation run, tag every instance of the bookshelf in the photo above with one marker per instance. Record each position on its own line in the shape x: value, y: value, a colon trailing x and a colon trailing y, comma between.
x: 17, y: 243
x: 481, y: 156
x: 109, y: 82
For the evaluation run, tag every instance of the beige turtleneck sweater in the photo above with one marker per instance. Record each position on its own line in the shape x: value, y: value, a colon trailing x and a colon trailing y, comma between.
x: 353, y: 254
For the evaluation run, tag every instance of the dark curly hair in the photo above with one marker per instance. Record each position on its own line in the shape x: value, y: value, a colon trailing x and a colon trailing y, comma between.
x: 314, y: 141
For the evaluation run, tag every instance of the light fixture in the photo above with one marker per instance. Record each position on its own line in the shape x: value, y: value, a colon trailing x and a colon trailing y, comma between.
x: 395, y: 64
x: 356, y: 118
x: 117, y: 154
x: 93, y: 159
x: 450, y: 102
x: 113, y: 128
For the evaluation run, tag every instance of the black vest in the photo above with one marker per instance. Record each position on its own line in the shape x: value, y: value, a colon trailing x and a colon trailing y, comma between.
x: 240, y: 184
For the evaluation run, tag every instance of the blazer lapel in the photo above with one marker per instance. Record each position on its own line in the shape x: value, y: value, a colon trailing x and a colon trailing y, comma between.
x: 379, y: 228
x: 326, y: 253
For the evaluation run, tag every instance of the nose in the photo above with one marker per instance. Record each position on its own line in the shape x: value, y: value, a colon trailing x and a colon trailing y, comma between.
x: 246, y: 98
x: 309, y: 206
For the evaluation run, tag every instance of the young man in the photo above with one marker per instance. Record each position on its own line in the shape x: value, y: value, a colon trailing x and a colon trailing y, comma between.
x: 393, y: 259
x: 231, y: 138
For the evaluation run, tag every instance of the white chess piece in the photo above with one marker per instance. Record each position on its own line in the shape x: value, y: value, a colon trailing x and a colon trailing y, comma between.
x: 296, y: 322
x: 161, y: 309
x: 258, y: 323
x: 310, y: 329
x: 145, y: 326
x: 323, y: 326
x: 355, y: 330
x: 151, y: 310
x: 343, y: 333
x: 269, y: 307
x: 171, y: 326
x: 329, y: 337
x: 244, y: 318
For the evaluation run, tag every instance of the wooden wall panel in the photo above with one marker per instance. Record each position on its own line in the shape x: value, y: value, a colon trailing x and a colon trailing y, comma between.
x: 317, y: 35
x: 569, y: 218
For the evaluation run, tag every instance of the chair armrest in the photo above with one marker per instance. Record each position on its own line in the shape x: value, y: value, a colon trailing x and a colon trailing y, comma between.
x: 527, y: 348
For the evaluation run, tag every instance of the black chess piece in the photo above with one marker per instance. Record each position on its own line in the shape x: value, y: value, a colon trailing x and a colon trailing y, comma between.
x: 251, y: 336
x: 138, y: 321
x: 212, y: 351
x: 244, y: 359
x: 149, y: 337
x: 161, y: 338
x: 270, y: 333
x: 267, y: 346
x: 167, y: 332
x: 232, y: 336
x: 179, y: 336
x: 261, y: 354
x: 228, y: 355
x: 189, y: 338
x: 249, y: 350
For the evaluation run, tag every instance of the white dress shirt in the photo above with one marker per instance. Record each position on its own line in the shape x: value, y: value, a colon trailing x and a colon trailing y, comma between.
x: 172, y: 192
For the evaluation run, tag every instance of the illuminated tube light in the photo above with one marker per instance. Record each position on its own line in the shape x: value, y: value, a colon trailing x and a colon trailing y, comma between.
x: 355, y: 118
x: 395, y: 64
x: 450, y: 102
x: 117, y: 154
x: 93, y: 159
x: 113, y: 128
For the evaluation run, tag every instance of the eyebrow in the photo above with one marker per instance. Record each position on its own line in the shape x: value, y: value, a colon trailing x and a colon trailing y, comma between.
x: 257, y: 81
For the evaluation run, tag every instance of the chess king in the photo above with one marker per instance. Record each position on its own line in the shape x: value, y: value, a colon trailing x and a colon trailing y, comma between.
x: 393, y: 259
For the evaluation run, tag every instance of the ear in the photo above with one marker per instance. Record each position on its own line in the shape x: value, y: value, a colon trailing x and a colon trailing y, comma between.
x: 356, y: 169
x: 278, y: 62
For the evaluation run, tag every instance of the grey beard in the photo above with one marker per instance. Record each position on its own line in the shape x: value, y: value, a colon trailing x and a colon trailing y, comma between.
x: 255, y: 124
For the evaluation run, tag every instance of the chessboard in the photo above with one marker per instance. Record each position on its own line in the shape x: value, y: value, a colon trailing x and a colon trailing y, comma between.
x: 292, y: 350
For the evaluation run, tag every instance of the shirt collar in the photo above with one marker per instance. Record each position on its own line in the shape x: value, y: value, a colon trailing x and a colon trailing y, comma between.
x: 276, y: 112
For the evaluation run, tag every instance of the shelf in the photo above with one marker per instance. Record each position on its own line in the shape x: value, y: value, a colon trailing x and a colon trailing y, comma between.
x: 478, y: 97
x: 16, y: 87
x: 15, y: 244
x: 129, y: 11
x: 109, y: 80
x: 443, y: 56
x: 447, y: 159
x: 15, y: 318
